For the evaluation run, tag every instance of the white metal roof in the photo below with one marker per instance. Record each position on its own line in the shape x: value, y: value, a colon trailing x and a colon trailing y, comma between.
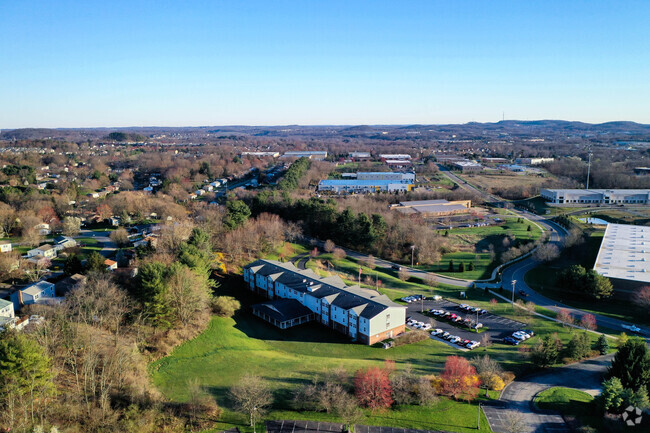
x: 625, y: 253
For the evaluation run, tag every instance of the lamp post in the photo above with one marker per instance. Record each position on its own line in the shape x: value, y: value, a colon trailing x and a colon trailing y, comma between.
x: 478, y: 419
x: 412, y: 253
x: 514, y: 283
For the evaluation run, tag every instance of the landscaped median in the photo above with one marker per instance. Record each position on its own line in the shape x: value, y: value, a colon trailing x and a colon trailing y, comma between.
x: 577, y: 407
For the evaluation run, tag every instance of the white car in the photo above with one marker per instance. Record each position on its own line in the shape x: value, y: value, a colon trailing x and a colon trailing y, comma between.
x: 454, y: 340
x: 425, y: 327
x: 437, y: 332
x: 631, y: 328
x: 436, y: 297
x: 473, y: 345
x: 520, y: 335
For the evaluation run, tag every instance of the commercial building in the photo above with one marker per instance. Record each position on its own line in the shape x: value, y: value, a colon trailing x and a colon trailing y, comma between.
x: 363, y: 315
x: 261, y: 154
x: 407, y: 177
x: 467, y: 166
x: 433, y: 207
x: 625, y: 253
x: 359, y: 156
x: 311, y: 154
x: 363, y: 186
x: 395, y: 156
x: 596, y: 196
x: 533, y: 161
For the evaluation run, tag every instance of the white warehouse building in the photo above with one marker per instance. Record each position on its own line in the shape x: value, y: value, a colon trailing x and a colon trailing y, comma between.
x: 597, y: 196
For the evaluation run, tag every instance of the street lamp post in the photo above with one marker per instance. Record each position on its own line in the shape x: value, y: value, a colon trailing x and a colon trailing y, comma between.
x: 412, y: 253
x: 514, y: 283
x: 478, y: 419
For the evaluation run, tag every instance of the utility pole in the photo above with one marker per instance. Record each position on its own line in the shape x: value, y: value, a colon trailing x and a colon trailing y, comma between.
x: 589, y: 166
x: 412, y: 253
x: 478, y: 419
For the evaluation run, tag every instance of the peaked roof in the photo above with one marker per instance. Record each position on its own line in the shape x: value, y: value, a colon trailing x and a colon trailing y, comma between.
x: 364, y: 302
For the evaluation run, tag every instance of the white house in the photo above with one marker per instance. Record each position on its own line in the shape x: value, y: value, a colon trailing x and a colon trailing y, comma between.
x: 37, y: 292
x: 47, y: 251
x: 7, y: 316
x: 63, y: 242
x: 111, y: 265
x: 43, y: 229
x: 5, y: 247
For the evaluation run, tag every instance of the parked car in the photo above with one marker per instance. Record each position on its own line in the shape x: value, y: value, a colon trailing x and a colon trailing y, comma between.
x: 437, y: 332
x: 454, y: 340
x: 425, y: 327
x: 472, y: 345
x: 444, y: 335
x: 477, y: 326
x: 529, y: 332
x: 482, y: 312
x: 511, y: 341
x: 520, y: 335
x: 436, y: 297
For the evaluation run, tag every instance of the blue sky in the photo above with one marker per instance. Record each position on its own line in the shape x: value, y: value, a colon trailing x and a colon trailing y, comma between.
x: 174, y: 63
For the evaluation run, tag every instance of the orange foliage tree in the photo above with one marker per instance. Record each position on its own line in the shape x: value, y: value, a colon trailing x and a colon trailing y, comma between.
x: 372, y: 388
x: 459, y: 379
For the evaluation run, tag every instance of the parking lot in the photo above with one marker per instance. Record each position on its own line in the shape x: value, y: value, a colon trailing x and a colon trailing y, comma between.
x: 291, y: 426
x: 498, y: 327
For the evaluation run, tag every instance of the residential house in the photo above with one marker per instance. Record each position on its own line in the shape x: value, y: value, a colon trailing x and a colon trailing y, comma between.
x: 69, y: 283
x: 363, y: 315
x: 7, y: 315
x: 5, y: 247
x: 47, y: 251
x: 37, y: 292
x: 64, y: 242
x: 111, y: 265
x: 43, y: 229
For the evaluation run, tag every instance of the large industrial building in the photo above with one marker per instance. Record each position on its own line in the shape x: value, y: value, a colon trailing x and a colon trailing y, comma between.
x: 363, y: 186
x: 467, y: 166
x: 311, y: 154
x: 298, y: 296
x: 597, y: 196
x: 625, y: 253
x: 433, y: 207
x: 369, y: 182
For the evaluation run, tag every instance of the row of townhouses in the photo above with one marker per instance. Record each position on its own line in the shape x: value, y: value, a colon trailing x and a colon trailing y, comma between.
x: 363, y: 315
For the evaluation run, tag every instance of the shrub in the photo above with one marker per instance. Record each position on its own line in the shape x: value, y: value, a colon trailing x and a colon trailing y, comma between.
x: 411, y: 337
x: 225, y: 306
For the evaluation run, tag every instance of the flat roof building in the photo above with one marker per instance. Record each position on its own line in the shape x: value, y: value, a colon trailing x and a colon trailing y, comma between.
x: 395, y: 156
x: 533, y: 161
x: 261, y: 154
x: 387, y: 175
x: 596, y: 196
x: 467, y: 166
x: 311, y: 154
x: 361, y: 314
x: 625, y: 253
x: 433, y: 207
x: 363, y: 186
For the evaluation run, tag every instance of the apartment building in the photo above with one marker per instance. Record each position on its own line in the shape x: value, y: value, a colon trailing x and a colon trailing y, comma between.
x: 363, y: 315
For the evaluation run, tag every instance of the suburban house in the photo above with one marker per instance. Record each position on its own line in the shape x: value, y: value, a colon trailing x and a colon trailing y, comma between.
x: 5, y: 247
x: 37, y: 292
x: 69, y: 283
x: 361, y: 314
x: 43, y: 229
x: 111, y: 265
x: 7, y: 316
x: 63, y: 242
x: 47, y: 251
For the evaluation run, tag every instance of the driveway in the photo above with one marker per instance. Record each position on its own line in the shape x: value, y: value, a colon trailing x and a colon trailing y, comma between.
x: 108, y: 246
x: 518, y: 396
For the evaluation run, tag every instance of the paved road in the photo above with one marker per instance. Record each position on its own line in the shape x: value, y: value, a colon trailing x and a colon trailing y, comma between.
x: 518, y: 396
x: 108, y: 246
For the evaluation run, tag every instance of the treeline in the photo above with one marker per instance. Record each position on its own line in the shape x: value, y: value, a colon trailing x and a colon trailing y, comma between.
x: 373, y: 233
x: 577, y: 279
x: 292, y: 177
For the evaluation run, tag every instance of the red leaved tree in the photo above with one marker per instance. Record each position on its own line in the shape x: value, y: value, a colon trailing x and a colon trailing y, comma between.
x: 565, y: 317
x: 372, y: 388
x: 459, y: 379
x: 588, y: 321
x: 643, y: 297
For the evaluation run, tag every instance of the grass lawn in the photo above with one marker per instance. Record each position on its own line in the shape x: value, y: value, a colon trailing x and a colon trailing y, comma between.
x: 89, y: 244
x: 571, y: 402
x: 472, y: 244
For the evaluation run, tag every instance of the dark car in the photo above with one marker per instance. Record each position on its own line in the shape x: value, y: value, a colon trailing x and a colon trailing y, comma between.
x: 528, y: 331
x: 523, y: 294
x: 397, y: 267
x: 511, y: 341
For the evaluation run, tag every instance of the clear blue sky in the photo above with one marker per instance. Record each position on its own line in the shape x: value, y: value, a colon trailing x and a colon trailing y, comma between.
x: 174, y: 63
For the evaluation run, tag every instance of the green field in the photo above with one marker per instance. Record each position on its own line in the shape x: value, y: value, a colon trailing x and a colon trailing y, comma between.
x: 472, y: 243
x: 571, y: 402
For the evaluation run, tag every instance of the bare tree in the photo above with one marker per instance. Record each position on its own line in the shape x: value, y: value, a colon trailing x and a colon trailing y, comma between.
x: 71, y: 226
x: 369, y: 262
x: 546, y: 253
x: 403, y: 274
x: 120, y: 237
x: 347, y: 408
x: 252, y: 396
x: 329, y: 246
x: 489, y: 371
x: 514, y: 423
x: 338, y: 254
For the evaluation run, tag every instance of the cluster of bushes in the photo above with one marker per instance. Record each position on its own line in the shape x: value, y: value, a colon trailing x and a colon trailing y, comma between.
x: 550, y: 350
x: 293, y: 175
x: 577, y: 279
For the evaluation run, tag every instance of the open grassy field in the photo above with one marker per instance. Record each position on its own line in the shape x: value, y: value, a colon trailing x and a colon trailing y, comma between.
x: 489, y: 182
x: 573, y: 403
x: 472, y: 245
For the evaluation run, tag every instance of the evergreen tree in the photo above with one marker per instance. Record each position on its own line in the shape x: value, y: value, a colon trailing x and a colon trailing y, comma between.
x: 611, y: 399
x: 461, y: 267
x: 237, y: 213
x: 602, y: 345
x: 451, y: 266
x: 73, y: 265
x: 631, y: 364
x: 95, y: 262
